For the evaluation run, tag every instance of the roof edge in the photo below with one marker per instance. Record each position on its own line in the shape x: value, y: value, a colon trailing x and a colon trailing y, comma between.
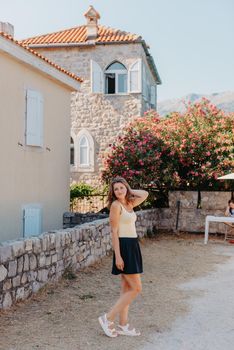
x: 151, y: 63
x: 39, y: 63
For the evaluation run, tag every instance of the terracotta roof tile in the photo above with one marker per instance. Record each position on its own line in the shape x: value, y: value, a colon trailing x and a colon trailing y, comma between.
x: 24, y: 46
x: 78, y: 35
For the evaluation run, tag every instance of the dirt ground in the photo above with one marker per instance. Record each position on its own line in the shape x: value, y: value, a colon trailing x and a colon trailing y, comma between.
x: 64, y: 316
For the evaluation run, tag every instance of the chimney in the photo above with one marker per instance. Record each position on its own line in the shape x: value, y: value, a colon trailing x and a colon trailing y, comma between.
x: 7, y: 28
x: 92, y: 17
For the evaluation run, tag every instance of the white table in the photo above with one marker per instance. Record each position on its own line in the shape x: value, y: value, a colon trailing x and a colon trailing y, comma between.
x: 212, y: 218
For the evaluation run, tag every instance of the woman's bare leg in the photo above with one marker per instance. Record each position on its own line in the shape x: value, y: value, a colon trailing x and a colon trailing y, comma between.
x: 123, y: 315
x: 134, y: 281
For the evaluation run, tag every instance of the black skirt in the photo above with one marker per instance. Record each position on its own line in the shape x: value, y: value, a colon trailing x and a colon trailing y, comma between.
x: 131, y: 255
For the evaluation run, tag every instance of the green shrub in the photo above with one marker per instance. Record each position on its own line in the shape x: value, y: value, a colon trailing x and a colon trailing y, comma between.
x: 81, y: 190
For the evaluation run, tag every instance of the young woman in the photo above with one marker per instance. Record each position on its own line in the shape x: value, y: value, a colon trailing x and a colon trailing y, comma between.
x: 230, y: 211
x: 127, y: 260
x: 230, y: 208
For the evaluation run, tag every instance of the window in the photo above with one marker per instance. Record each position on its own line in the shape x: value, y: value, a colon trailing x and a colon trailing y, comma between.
x: 84, y: 151
x: 34, y: 119
x: 72, y: 152
x: 116, y: 78
x: 148, y: 90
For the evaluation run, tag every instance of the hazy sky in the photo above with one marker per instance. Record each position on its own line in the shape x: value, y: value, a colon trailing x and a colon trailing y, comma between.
x: 192, y: 41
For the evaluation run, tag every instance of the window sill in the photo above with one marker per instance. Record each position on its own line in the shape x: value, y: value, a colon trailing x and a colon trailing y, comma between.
x: 117, y: 94
x: 73, y: 167
x: 125, y: 93
x: 83, y: 169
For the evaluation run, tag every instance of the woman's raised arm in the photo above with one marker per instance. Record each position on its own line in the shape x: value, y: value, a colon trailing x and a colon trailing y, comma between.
x: 139, y: 196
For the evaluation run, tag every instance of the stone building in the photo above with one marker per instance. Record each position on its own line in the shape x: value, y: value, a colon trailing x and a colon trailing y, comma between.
x: 120, y: 82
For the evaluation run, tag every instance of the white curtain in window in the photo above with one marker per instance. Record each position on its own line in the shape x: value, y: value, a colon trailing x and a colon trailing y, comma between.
x: 84, y: 151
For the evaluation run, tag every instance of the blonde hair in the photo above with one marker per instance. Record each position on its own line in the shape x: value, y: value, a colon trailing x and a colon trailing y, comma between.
x: 111, y: 195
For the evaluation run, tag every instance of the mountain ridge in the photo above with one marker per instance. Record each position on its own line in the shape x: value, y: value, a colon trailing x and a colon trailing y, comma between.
x: 223, y: 100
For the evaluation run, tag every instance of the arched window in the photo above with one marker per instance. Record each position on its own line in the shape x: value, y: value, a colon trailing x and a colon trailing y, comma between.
x: 84, y: 151
x: 116, y: 78
x: 72, y: 152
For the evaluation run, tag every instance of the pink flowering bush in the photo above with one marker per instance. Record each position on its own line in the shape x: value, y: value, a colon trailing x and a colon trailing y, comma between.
x: 139, y: 155
x: 202, y: 144
x: 182, y: 150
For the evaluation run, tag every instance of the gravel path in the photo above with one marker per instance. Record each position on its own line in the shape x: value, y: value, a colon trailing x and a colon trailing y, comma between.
x: 209, y: 325
x: 64, y: 317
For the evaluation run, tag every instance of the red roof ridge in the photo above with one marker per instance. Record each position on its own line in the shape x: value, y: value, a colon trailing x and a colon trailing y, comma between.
x: 25, y: 47
x: 76, y: 35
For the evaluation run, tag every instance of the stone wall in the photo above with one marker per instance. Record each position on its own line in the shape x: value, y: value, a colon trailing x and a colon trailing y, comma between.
x: 27, y: 265
x: 71, y: 219
x: 190, y: 218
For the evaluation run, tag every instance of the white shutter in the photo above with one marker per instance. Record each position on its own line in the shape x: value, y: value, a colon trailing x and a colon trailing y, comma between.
x: 153, y: 95
x: 34, y: 119
x: 135, y: 77
x: 32, y: 221
x: 144, y: 82
x: 96, y: 78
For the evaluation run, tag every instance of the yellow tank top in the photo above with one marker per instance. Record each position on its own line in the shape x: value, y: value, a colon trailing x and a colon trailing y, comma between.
x: 127, y: 227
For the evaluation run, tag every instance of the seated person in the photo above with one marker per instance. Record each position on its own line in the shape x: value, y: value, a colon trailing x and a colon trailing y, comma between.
x: 230, y: 211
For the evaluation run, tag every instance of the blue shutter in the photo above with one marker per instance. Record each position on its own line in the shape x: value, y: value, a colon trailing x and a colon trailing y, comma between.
x: 34, y: 119
x: 32, y: 221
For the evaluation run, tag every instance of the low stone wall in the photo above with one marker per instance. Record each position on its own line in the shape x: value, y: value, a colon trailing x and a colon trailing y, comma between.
x: 190, y: 218
x: 27, y: 265
x: 71, y: 219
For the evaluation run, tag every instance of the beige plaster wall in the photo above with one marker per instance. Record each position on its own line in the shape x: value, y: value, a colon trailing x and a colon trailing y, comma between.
x: 32, y: 174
